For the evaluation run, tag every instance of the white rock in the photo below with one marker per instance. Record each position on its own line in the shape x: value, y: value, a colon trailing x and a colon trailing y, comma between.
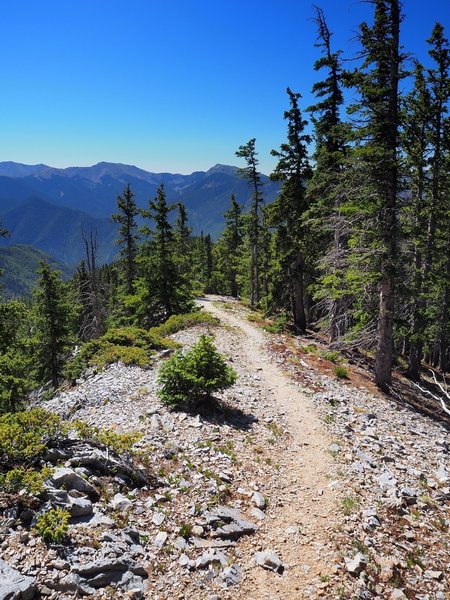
x: 259, y: 500
x: 269, y: 560
x: 258, y: 514
x: 357, y: 564
x: 121, y: 502
x: 158, y: 518
x: 160, y: 539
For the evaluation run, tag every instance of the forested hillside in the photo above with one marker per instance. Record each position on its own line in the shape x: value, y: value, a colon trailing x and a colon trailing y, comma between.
x: 19, y: 265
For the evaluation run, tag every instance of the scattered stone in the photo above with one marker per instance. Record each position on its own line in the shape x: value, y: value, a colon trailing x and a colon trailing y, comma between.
x: 356, y: 565
x: 160, y: 539
x: 292, y: 530
x: 158, y: 518
x: 197, y: 530
x: 334, y: 448
x: 258, y: 514
x: 259, y: 500
x: 122, y: 503
x: 387, y: 481
x: 232, y: 575
x: 267, y: 559
x: 70, y: 480
x: 79, y: 507
x: 437, y: 575
x: 397, y: 594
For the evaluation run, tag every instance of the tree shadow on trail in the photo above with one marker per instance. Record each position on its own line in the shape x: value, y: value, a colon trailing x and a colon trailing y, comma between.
x: 217, y: 412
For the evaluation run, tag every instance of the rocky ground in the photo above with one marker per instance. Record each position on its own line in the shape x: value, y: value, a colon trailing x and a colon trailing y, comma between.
x: 297, y: 485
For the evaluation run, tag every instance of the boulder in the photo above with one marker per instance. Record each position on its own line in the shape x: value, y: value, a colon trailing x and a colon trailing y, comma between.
x: 79, y: 507
x: 14, y: 585
x: 70, y: 480
x: 269, y: 560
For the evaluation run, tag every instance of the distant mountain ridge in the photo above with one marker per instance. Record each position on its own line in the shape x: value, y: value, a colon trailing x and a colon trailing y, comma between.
x: 93, y: 190
x: 46, y: 207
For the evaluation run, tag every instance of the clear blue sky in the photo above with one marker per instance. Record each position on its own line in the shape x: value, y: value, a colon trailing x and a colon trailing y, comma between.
x: 167, y: 85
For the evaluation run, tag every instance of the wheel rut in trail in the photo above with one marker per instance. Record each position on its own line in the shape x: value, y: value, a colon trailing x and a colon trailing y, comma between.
x: 304, y: 499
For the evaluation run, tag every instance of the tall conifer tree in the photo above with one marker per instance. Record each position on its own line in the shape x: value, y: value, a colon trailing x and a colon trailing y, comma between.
x: 377, y: 83
x: 325, y: 189
x: 126, y: 217
x: 165, y: 287
x: 54, y: 313
x: 287, y: 216
x: 252, y: 175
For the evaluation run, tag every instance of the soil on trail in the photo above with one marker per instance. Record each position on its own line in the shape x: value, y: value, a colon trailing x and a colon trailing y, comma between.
x: 303, y: 504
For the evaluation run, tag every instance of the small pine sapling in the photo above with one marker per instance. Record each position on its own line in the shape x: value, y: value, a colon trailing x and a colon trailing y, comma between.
x: 193, y: 376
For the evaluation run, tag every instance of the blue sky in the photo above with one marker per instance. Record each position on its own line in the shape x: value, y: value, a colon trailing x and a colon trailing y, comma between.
x: 173, y: 85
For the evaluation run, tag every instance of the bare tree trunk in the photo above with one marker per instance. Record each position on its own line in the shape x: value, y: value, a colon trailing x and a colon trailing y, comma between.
x: 299, y: 294
x: 445, y: 319
x: 336, y: 308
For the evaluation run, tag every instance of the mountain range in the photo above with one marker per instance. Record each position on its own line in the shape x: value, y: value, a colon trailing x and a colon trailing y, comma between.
x: 93, y: 190
x: 48, y: 209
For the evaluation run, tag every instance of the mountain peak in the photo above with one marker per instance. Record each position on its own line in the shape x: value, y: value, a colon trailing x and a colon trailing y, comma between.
x: 225, y: 169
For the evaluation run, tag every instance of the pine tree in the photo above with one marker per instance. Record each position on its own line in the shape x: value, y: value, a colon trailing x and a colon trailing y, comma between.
x: 377, y: 83
x: 182, y: 232
x: 287, y: 216
x: 325, y: 189
x: 16, y: 360
x: 127, y: 232
x: 416, y: 139
x: 232, y: 244
x: 252, y: 175
x: 165, y: 290
x: 54, y: 314
x: 91, y: 294
x: 438, y: 243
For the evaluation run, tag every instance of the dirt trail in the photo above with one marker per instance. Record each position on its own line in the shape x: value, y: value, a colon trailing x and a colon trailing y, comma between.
x: 305, y: 499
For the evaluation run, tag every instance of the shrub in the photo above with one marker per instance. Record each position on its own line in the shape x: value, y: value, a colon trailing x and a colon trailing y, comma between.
x: 53, y: 525
x: 125, y: 354
x: 117, y: 442
x: 277, y: 326
x: 340, y: 372
x: 188, y: 377
x: 24, y: 435
x: 21, y: 478
x: 178, y: 322
x: 130, y: 345
x: 331, y: 355
x: 15, y: 381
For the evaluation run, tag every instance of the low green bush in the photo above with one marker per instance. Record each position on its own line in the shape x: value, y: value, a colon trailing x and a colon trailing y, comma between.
x: 117, y: 442
x: 24, y: 435
x: 340, y: 372
x: 130, y: 345
x: 186, y: 378
x: 21, y: 478
x: 53, y: 525
x: 331, y: 355
x: 178, y: 322
x: 278, y: 326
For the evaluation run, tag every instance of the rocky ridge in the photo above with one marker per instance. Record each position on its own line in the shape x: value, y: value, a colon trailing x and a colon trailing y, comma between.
x: 214, y: 521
